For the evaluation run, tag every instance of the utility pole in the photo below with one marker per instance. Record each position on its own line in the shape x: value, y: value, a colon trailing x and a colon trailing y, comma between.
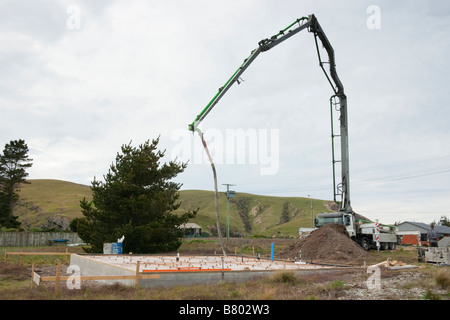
x: 230, y: 194
x: 312, y: 210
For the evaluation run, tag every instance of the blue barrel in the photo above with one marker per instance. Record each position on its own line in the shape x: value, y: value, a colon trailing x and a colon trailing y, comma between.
x: 117, y: 248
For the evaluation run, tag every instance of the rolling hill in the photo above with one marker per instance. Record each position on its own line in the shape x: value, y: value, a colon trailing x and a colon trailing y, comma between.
x: 45, y: 201
x: 54, y: 203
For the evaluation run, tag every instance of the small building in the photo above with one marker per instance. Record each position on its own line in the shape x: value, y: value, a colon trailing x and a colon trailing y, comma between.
x: 410, y: 231
x: 191, y: 229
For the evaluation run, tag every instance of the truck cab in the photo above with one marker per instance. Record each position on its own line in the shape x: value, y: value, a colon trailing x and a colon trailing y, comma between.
x: 341, y: 217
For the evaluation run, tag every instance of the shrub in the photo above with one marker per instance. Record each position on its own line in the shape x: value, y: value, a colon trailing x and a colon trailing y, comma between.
x: 287, y: 277
x: 430, y: 295
x: 442, y: 278
x: 338, y: 284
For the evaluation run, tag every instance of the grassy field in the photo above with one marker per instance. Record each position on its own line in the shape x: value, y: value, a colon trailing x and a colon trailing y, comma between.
x: 429, y: 282
x: 46, y: 198
x: 250, y: 215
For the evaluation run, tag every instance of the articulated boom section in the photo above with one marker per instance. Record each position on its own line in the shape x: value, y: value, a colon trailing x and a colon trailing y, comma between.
x: 313, y: 26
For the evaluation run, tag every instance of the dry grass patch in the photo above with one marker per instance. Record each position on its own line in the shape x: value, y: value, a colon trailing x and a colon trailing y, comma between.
x: 10, y: 271
x: 442, y: 278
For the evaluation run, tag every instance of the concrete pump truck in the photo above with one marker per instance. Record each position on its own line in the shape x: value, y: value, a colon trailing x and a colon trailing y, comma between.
x: 338, y: 101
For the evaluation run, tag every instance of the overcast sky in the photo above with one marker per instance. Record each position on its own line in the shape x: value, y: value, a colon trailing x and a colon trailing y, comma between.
x: 81, y: 78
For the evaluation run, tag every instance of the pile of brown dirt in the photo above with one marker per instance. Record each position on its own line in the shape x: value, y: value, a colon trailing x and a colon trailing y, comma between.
x: 328, y: 244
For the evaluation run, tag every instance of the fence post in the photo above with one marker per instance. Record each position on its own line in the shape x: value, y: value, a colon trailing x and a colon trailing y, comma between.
x: 32, y: 273
x: 58, y: 275
x: 136, y: 282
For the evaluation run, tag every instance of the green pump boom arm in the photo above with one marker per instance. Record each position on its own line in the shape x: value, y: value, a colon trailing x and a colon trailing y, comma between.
x: 264, y: 45
x: 313, y: 26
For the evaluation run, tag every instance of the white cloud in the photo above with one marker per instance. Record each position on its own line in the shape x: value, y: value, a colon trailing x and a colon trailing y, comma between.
x: 138, y: 69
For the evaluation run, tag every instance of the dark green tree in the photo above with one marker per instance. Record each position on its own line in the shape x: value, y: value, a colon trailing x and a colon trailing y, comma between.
x: 444, y: 221
x: 136, y: 200
x: 243, y: 208
x: 285, y: 213
x: 13, y: 164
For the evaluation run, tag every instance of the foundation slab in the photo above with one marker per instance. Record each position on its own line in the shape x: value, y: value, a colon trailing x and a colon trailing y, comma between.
x: 186, y: 270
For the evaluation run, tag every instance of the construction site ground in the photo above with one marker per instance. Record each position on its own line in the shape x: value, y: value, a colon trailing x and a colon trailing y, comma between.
x: 424, y: 281
x: 414, y: 284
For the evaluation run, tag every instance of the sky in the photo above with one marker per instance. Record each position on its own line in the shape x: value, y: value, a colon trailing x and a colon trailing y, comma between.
x: 81, y: 78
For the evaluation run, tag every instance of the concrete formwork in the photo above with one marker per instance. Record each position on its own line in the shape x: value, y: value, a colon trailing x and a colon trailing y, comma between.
x: 187, y: 270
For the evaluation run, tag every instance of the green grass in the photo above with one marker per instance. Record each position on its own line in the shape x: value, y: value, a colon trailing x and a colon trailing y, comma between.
x: 430, y: 295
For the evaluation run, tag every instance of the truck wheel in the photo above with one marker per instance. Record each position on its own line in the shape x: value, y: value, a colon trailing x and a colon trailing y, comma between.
x: 392, y: 245
x: 365, y: 244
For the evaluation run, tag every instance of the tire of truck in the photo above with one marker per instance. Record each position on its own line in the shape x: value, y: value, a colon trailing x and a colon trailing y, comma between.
x: 365, y: 243
x: 383, y: 245
x: 392, y: 245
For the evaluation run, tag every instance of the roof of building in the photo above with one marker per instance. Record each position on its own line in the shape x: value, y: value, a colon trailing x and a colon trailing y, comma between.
x: 421, y: 225
x: 190, y: 225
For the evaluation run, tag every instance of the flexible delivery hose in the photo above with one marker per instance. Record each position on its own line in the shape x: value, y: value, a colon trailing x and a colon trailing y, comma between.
x: 215, y: 189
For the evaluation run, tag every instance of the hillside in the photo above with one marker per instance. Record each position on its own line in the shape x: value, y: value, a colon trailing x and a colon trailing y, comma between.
x: 252, y: 214
x: 54, y: 203
x: 54, y: 200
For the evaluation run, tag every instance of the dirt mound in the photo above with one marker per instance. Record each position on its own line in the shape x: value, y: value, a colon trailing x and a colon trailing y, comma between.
x: 328, y: 244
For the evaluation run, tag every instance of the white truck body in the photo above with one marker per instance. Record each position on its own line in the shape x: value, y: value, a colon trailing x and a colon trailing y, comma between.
x: 368, y: 234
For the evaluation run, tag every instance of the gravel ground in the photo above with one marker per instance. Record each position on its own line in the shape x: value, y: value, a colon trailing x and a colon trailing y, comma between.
x: 402, y: 286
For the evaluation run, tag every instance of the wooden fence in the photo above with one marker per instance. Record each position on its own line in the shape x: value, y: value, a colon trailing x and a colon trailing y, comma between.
x: 24, y: 239
x: 37, y: 279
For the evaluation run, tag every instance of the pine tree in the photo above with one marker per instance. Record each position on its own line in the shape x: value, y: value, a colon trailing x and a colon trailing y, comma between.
x: 284, y: 218
x: 444, y: 221
x: 13, y: 163
x: 136, y: 200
